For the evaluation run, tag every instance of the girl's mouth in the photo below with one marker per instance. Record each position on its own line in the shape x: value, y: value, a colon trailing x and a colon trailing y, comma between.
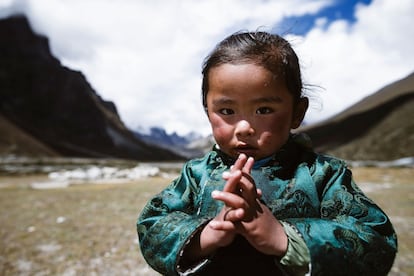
x: 246, y: 149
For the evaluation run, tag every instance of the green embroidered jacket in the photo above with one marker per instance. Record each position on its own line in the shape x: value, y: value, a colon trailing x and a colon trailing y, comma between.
x: 346, y: 233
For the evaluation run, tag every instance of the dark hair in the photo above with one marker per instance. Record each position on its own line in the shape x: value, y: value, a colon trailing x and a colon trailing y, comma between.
x: 271, y: 51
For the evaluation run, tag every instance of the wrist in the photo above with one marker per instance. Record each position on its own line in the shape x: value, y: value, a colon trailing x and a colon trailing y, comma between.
x: 282, y: 246
x: 281, y: 242
x: 207, y: 241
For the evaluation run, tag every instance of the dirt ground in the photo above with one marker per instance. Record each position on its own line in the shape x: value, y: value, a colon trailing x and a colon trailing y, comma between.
x: 89, y: 229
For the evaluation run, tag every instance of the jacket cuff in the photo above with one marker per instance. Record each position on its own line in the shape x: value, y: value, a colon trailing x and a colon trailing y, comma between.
x: 297, y: 257
x: 184, y: 268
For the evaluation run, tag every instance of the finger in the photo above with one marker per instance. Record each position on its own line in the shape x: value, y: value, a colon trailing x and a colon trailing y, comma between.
x: 226, y: 175
x: 233, y: 180
x: 248, y: 165
x: 234, y: 215
x: 248, y: 179
x: 231, y: 200
x: 234, y: 176
x: 248, y: 188
x: 222, y: 225
x: 239, y: 164
x: 248, y: 183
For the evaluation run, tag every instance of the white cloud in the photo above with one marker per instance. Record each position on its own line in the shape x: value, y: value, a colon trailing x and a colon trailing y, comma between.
x: 352, y: 61
x: 146, y: 56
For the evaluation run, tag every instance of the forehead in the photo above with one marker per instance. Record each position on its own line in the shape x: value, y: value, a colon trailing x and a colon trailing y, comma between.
x: 243, y: 74
x: 244, y: 81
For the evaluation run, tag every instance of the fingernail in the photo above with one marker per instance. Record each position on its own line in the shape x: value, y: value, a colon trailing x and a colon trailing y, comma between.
x: 213, y: 224
x: 239, y: 213
x: 226, y: 174
x: 215, y: 194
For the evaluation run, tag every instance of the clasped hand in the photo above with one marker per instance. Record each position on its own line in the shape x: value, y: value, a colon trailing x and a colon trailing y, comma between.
x: 244, y: 214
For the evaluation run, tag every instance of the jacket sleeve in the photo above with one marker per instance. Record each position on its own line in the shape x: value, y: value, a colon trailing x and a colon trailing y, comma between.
x: 167, y: 221
x: 352, y: 236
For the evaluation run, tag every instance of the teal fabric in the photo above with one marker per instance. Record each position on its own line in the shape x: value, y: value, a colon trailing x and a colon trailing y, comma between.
x: 345, y: 232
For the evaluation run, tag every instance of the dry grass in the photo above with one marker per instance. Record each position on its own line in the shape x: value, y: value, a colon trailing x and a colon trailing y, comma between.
x: 393, y: 191
x: 90, y: 229
x: 80, y: 230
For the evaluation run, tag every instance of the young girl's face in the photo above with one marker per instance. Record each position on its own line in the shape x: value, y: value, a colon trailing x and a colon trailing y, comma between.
x: 250, y: 112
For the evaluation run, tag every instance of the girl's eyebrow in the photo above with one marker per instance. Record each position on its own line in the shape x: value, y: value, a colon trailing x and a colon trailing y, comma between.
x: 274, y: 99
x: 260, y: 100
x: 223, y: 101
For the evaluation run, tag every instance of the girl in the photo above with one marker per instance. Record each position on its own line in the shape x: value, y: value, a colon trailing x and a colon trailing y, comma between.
x: 262, y: 202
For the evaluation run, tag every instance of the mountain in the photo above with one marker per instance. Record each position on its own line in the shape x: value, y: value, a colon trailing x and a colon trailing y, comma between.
x: 48, y: 109
x: 182, y: 145
x: 203, y: 144
x: 379, y: 127
x: 13, y: 140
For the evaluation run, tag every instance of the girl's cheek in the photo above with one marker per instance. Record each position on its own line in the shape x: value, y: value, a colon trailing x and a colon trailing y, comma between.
x: 222, y: 130
x: 266, y: 137
x: 220, y: 134
x: 217, y: 123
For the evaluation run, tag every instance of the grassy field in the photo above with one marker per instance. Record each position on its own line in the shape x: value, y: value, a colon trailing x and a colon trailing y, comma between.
x: 90, y: 229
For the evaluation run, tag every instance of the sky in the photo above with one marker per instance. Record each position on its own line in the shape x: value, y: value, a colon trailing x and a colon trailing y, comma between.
x: 146, y: 56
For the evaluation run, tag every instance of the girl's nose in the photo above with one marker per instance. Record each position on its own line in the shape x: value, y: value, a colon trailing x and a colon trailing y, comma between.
x: 244, y: 128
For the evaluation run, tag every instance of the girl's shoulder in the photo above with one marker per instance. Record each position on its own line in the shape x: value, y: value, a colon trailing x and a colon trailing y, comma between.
x: 306, y: 153
x: 330, y: 160
x: 327, y: 166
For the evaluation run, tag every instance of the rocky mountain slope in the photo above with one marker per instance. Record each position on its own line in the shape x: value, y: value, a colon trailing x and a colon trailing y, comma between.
x: 379, y: 127
x: 47, y: 109
x: 182, y: 145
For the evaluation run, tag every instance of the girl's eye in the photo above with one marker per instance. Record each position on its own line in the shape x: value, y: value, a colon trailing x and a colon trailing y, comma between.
x: 226, y: 111
x: 264, y: 110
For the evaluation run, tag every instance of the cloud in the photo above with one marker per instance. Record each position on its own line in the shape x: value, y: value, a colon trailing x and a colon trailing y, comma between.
x: 146, y: 56
x: 352, y: 61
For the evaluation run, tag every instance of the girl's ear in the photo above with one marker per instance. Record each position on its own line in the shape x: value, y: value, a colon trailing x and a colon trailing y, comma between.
x: 299, y: 112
